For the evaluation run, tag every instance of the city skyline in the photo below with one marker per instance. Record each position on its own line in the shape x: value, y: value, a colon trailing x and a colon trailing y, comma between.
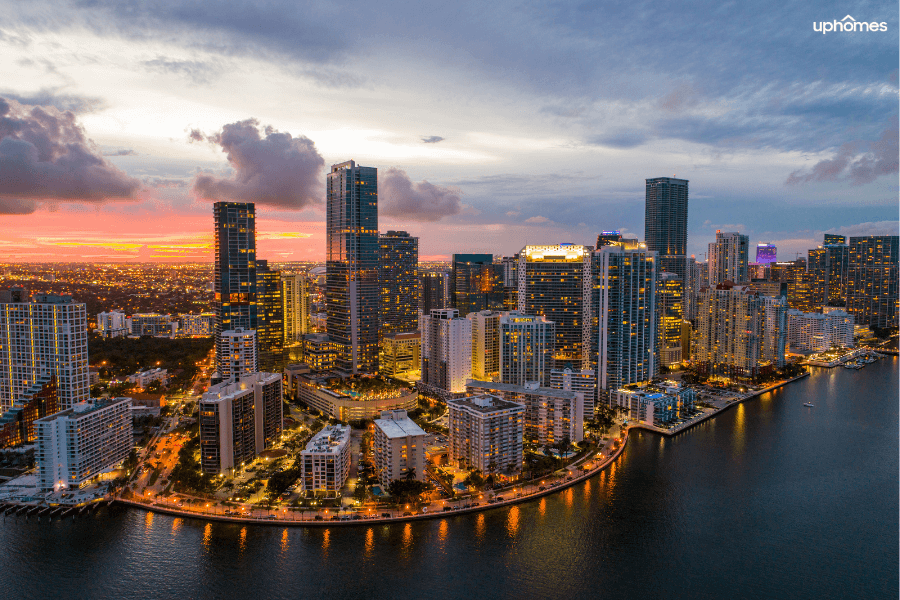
x: 780, y: 154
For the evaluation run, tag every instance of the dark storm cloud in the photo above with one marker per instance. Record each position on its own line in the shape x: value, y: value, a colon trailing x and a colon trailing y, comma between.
x: 44, y: 155
x: 432, y: 139
x: 270, y: 167
x: 402, y: 198
x: 851, y: 164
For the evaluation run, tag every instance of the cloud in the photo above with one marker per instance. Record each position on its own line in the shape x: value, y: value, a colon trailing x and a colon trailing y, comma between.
x: 17, y: 206
x: 621, y: 139
x: 432, y: 139
x: 857, y: 167
x: 196, y: 71
x: 270, y: 167
x: 679, y: 99
x: 45, y: 156
x: 62, y: 102
x: 537, y: 219
x: 400, y: 197
x: 121, y: 152
x: 869, y: 228
x: 513, y: 213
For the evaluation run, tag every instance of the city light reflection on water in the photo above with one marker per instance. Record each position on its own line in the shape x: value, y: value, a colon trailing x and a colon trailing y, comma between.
x: 512, y: 521
x: 370, y: 542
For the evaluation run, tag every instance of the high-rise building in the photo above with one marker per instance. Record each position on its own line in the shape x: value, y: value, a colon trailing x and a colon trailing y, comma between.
x: 828, y: 267
x: 17, y: 424
x: 399, y: 448
x: 485, y: 345
x: 236, y: 353
x: 510, y: 266
x: 112, y: 324
x: 351, y: 288
x: 607, y: 238
x: 42, y: 339
x: 872, y: 280
x: 729, y: 258
x: 238, y: 420
x: 270, y: 317
x: 739, y: 332
x: 325, y: 463
x: 398, y: 282
x: 766, y: 253
x: 434, y: 291
x: 817, y: 332
x: 665, y: 223
x: 446, y: 352
x: 234, y: 275
x: 296, y: 290
x: 486, y: 433
x: 77, y: 444
x: 624, y: 318
x: 526, y: 348
x: 583, y: 382
x: 401, y: 353
x: 152, y: 324
x: 670, y: 310
x: 833, y: 238
x: 554, y: 283
x: 476, y: 283
x: 697, y: 278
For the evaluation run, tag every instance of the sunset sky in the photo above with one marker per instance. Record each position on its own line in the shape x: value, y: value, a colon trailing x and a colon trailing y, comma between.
x: 493, y: 125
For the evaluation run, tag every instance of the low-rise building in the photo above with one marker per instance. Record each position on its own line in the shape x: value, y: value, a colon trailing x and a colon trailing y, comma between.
x: 78, y: 444
x: 656, y: 404
x: 319, y: 352
x: 551, y: 415
x: 112, y: 324
x: 17, y: 424
x: 487, y: 433
x: 202, y: 324
x: 325, y: 463
x: 314, y: 391
x: 153, y: 324
x: 238, y: 420
x: 144, y: 378
x: 399, y: 447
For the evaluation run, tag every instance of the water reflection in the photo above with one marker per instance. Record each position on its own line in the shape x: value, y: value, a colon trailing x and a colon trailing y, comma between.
x: 542, y: 507
x: 176, y: 525
x: 479, y: 527
x: 407, y: 537
x: 443, y: 531
x: 242, y: 540
x: 739, y: 433
x: 148, y: 521
x: 326, y: 540
x: 512, y: 521
x: 284, y: 540
x: 569, y: 498
x: 587, y: 489
x: 370, y: 542
x: 207, y: 536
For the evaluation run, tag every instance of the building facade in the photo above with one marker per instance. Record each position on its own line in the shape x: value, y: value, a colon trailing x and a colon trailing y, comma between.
x: 446, y: 351
x: 200, y: 325
x: 236, y: 354
x: 351, y: 287
x: 270, y: 317
x: 297, y: 293
x: 399, y: 448
x: 816, y: 332
x: 476, y: 283
x: 872, y: 281
x: 527, y: 348
x: 729, y: 258
x: 401, y: 353
x: 660, y: 405
x: 665, y: 222
x: 112, y: 324
x: 398, y: 270
x: 434, y: 291
x: 486, y: 433
x: 485, y: 345
x: 325, y: 463
x: 583, y: 382
x: 670, y: 304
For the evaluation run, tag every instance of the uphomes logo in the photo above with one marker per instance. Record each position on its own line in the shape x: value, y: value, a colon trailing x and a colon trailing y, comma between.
x: 850, y: 24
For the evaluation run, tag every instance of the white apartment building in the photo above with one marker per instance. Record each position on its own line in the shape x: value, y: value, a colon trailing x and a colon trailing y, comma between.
x: 76, y: 445
x: 551, y: 415
x: 143, y: 378
x: 485, y: 344
x: 238, y: 420
x: 813, y: 332
x: 729, y: 258
x: 487, y: 433
x: 583, y: 382
x: 112, y: 324
x: 399, y: 446
x: 446, y: 351
x: 236, y: 353
x: 325, y: 462
x: 40, y: 339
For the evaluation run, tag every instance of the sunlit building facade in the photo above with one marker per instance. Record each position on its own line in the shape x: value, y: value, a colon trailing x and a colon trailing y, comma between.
x: 670, y: 309
x: 297, y: 306
x: 446, y: 352
x: 485, y: 345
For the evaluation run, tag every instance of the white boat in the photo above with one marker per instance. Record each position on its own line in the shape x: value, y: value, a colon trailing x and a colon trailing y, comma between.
x: 809, y: 404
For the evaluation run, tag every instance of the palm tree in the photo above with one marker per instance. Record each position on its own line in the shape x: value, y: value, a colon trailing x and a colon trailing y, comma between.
x: 411, y: 474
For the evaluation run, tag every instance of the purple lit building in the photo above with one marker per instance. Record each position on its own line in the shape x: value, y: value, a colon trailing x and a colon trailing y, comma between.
x: 766, y: 253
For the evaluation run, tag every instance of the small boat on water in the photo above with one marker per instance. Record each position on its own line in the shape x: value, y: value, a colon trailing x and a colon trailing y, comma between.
x: 809, y: 404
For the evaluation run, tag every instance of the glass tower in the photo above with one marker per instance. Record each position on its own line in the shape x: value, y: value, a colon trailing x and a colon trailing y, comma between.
x: 399, y: 282
x: 351, y: 255
x: 235, y: 268
x: 476, y: 283
x: 270, y: 317
x: 665, y: 223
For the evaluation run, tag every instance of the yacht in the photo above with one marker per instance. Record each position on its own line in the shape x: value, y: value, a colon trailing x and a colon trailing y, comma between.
x: 809, y: 404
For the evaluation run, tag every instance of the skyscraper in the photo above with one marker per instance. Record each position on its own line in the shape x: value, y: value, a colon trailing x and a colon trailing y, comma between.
x: 608, y: 237
x: 665, y: 222
x: 526, y: 348
x: 872, y: 280
x: 828, y: 266
x: 553, y: 282
x: 434, y: 291
x: 729, y: 258
x: 624, y: 342
x: 485, y: 345
x: 270, y: 317
x: 446, y: 352
x: 398, y: 282
x: 234, y: 277
x: 766, y: 253
x: 670, y: 310
x: 351, y: 254
x: 833, y: 238
x: 296, y: 291
x: 476, y: 283
x: 237, y: 353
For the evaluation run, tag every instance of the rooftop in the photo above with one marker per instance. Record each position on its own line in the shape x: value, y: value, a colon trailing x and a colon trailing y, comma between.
x: 85, y: 408
x: 330, y: 440
x: 400, y: 428
x: 485, y: 404
x: 521, y: 389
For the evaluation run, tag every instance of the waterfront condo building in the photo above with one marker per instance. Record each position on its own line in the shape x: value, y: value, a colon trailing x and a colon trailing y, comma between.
x: 816, y: 332
x: 399, y: 448
x: 296, y: 289
x: 112, y: 324
x: 17, y: 423
x: 270, y: 317
x: 554, y: 282
x: 551, y: 415
x: 234, y: 273
x: 41, y: 339
x: 351, y: 254
x: 739, y: 333
x: 76, y: 445
x: 729, y: 258
x: 625, y: 344
x: 656, y: 404
x: 487, y: 433
x: 238, y: 420
x: 485, y: 344
x: 236, y: 354
x: 583, y: 382
x: 446, y: 352
x: 325, y: 463
x: 665, y: 222
x: 527, y: 348
x: 872, y: 281
x: 670, y: 305
x: 398, y: 282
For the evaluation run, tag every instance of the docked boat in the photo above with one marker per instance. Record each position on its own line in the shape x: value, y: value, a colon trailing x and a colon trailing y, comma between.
x: 809, y: 404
